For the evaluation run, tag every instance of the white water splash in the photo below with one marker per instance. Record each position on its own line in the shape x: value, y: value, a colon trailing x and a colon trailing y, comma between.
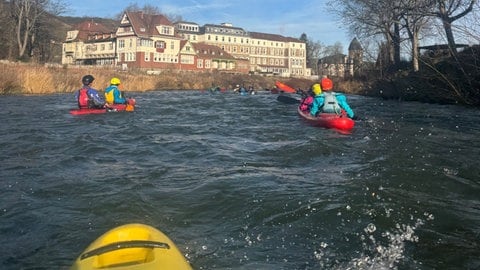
x: 387, y: 256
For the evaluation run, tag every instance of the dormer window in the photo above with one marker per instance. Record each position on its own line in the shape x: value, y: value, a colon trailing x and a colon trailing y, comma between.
x: 142, y: 29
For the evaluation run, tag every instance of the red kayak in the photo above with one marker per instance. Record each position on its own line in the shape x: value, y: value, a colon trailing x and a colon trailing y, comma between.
x: 341, y: 122
x: 130, y: 107
x: 284, y: 87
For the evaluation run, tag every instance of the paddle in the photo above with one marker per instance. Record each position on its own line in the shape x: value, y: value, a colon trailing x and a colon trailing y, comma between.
x: 288, y: 99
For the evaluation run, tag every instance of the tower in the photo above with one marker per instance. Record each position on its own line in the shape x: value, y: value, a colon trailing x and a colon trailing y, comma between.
x: 355, y: 57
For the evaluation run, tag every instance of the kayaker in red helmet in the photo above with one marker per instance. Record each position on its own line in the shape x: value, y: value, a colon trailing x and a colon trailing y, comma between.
x: 87, y: 97
x: 329, y: 101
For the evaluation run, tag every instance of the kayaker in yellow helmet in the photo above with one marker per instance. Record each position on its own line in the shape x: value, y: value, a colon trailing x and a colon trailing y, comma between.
x: 307, y: 99
x: 113, y: 94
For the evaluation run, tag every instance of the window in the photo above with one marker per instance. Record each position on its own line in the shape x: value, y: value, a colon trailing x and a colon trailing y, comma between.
x: 187, y: 59
x: 147, y: 57
x: 165, y: 30
x: 130, y: 57
x: 160, y: 45
x: 200, y: 63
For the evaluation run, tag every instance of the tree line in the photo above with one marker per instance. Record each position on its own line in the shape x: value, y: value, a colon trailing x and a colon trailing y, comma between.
x: 392, y: 23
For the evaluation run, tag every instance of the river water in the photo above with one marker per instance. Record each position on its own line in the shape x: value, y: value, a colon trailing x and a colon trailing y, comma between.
x: 241, y: 182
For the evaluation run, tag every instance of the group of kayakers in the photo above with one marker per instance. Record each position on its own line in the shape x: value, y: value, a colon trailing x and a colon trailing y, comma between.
x: 244, y: 91
x: 89, y: 98
x: 321, y: 98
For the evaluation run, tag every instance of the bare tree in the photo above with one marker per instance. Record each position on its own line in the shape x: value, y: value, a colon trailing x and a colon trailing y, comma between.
x: 449, y: 11
x: 314, y: 52
x: 150, y: 10
x: 6, y: 33
x: 414, y: 19
x: 26, y: 15
x: 371, y: 18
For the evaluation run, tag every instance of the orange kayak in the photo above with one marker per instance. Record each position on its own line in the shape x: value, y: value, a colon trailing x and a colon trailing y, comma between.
x: 284, y: 87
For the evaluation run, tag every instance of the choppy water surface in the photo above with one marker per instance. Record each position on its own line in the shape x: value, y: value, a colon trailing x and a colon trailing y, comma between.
x: 240, y: 182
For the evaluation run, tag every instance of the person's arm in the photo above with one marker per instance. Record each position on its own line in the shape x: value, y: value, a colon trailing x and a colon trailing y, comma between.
x: 342, y: 101
x: 316, y: 105
x: 117, y: 97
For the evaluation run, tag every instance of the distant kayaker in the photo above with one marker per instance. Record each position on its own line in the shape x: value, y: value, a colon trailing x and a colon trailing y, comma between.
x: 87, y: 97
x: 329, y: 101
x: 113, y: 94
x: 307, y: 97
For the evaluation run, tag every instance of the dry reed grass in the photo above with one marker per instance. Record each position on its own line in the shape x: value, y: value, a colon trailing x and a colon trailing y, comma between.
x: 22, y: 78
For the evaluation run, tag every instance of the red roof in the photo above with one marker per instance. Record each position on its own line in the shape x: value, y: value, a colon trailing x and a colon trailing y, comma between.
x: 145, y: 24
x: 90, y: 28
x: 206, y: 51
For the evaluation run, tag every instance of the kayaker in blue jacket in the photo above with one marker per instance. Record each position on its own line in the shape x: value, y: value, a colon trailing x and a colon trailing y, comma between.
x: 87, y: 97
x: 113, y: 94
x: 329, y: 101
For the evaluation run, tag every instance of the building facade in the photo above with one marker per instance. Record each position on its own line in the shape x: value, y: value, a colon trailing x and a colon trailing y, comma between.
x: 152, y: 42
x: 89, y: 43
x: 341, y: 65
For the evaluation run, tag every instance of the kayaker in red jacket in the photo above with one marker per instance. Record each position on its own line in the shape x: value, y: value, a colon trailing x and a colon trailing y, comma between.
x: 329, y: 101
x: 87, y: 97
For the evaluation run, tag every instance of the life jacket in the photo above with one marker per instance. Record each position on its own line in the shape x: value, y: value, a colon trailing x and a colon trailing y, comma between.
x: 83, y: 98
x: 306, y: 104
x: 109, y: 98
x: 330, y: 104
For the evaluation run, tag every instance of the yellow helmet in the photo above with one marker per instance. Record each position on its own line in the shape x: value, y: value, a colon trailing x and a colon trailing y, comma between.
x: 316, y: 89
x: 115, y: 81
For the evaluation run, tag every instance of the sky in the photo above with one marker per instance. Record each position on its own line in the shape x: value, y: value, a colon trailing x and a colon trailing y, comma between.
x: 287, y: 18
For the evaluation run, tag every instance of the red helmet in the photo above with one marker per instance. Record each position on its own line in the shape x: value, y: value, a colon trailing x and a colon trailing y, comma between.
x: 326, y: 84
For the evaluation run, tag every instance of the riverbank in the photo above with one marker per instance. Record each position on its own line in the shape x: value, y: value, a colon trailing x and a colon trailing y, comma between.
x: 30, y: 79
x: 442, y: 81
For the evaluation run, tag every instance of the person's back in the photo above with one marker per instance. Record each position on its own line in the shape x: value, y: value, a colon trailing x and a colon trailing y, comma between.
x: 329, y: 101
x: 87, y: 97
x: 82, y: 98
x: 113, y: 94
